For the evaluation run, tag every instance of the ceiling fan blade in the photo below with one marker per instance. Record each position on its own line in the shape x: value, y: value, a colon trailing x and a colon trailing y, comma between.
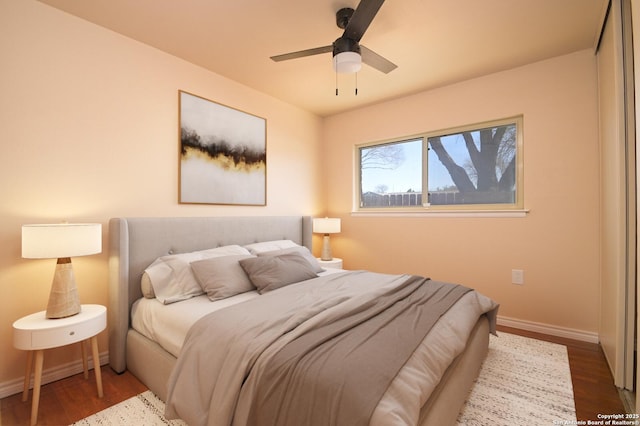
x: 361, y: 19
x: 376, y: 61
x: 302, y: 53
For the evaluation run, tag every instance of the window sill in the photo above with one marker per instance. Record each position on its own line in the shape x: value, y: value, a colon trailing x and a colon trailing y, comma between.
x: 442, y: 213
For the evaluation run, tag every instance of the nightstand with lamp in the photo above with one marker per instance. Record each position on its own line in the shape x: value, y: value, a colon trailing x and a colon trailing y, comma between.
x: 65, y: 321
x: 327, y: 226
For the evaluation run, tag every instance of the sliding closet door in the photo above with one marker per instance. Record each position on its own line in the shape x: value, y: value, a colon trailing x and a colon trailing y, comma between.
x: 631, y: 211
x: 617, y: 195
x: 635, y: 18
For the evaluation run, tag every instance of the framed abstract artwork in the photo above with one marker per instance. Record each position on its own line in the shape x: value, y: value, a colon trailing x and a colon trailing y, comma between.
x: 223, y: 154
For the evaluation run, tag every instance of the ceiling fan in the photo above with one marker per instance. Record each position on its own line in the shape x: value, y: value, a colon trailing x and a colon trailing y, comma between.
x: 348, y: 53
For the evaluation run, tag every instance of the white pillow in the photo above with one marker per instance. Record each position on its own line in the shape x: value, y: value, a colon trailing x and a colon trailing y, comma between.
x: 171, y: 276
x: 265, y: 246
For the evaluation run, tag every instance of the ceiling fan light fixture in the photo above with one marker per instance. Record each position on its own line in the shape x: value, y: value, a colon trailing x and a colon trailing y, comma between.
x: 347, y: 62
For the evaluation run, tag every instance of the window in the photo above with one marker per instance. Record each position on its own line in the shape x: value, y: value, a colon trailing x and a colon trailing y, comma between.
x: 468, y: 168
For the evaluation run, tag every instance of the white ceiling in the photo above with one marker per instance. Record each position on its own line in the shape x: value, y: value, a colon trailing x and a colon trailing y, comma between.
x: 433, y: 42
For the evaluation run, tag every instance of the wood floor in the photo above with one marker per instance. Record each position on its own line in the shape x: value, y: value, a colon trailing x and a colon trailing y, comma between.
x: 69, y: 400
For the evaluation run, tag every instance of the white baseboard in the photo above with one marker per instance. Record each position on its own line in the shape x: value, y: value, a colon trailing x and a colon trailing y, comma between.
x: 552, y: 330
x: 50, y: 375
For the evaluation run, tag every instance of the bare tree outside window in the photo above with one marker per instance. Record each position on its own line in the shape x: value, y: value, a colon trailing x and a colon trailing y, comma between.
x: 481, y: 165
x: 389, y: 169
x: 386, y: 157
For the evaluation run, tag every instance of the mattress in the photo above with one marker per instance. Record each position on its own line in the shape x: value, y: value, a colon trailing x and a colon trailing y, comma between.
x: 168, y: 325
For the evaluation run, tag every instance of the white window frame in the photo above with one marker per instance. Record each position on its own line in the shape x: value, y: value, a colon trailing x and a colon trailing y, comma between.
x: 513, y: 209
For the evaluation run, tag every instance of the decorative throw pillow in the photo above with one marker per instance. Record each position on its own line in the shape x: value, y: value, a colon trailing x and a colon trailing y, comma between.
x: 271, y: 272
x: 302, y: 250
x: 172, y: 279
x: 222, y: 277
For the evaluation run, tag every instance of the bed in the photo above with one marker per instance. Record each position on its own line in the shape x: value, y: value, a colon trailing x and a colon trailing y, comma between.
x: 136, y: 243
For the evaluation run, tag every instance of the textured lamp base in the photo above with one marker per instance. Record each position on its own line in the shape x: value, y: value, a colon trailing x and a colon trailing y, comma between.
x: 326, y: 249
x: 63, y: 299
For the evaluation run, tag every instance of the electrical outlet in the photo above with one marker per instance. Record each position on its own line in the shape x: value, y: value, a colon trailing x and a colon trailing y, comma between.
x: 517, y: 276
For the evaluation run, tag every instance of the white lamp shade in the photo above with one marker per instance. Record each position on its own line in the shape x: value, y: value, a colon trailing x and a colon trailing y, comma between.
x: 50, y: 241
x: 347, y: 62
x: 326, y: 225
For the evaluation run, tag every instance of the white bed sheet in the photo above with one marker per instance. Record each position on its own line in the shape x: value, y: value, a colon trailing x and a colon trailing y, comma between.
x: 168, y: 325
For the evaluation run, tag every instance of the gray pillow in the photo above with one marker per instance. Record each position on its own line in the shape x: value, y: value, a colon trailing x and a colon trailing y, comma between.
x: 171, y: 277
x: 271, y: 272
x: 302, y: 250
x: 222, y: 277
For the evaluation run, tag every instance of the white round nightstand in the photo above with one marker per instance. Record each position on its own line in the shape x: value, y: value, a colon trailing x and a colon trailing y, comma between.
x: 35, y: 332
x: 333, y: 263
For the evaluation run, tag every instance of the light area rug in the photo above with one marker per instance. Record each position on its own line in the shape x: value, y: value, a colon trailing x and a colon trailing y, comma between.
x: 522, y: 382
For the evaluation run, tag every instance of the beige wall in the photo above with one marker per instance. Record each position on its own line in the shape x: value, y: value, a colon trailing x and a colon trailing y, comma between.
x: 556, y: 244
x: 89, y: 130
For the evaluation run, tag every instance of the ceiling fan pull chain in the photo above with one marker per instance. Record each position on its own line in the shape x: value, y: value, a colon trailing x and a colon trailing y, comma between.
x: 336, y: 83
x: 356, y: 83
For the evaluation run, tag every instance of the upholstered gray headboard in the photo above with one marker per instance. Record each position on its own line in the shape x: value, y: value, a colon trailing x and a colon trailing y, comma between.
x: 136, y: 242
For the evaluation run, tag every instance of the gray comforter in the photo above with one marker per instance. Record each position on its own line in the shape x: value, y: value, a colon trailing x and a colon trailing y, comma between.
x: 219, y: 378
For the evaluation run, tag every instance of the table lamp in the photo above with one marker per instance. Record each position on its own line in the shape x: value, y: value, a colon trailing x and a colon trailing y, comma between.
x: 62, y: 241
x: 326, y: 226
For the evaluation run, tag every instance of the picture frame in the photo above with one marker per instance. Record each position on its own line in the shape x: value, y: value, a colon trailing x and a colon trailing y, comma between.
x: 223, y: 154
